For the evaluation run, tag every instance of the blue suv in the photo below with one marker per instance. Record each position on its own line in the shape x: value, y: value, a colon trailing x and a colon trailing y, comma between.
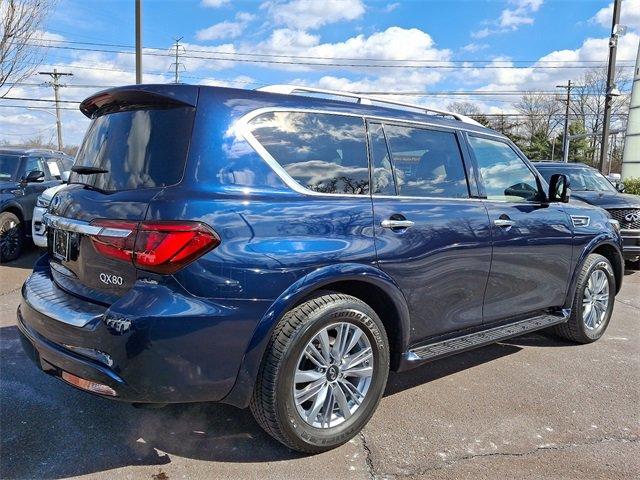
x: 283, y: 249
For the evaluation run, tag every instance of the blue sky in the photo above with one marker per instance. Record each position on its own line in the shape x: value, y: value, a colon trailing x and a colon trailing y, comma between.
x: 519, y: 36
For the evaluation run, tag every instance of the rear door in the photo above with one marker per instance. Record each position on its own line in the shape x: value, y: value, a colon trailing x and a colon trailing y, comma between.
x: 432, y: 236
x: 140, y: 148
x: 531, y: 237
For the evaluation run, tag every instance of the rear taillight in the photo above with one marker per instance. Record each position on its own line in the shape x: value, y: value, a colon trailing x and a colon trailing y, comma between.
x: 161, y: 247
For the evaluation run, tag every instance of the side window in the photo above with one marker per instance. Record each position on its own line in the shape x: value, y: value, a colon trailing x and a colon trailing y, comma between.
x: 426, y: 163
x: 35, y: 163
x: 324, y: 153
x: 505, y: 175
x: 381, y: 170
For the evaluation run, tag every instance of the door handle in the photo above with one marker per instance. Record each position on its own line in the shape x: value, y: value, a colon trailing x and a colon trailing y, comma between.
x: 396, y: 224
x: 504, y: 222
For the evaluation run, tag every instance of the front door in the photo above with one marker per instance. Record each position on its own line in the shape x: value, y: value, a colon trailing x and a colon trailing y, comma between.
x: 431, y: 237
x: 531, y: 237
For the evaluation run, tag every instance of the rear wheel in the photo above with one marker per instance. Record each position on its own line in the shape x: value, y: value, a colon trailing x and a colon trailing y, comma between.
x: 11, y: 236
x: 323, y: 373
x: 592, y: 303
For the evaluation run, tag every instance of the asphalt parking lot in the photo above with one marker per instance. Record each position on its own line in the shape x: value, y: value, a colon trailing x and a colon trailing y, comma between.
x: 532, y: 407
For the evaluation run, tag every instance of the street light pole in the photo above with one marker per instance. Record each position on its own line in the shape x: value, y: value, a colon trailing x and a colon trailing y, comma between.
x: 611, y: 86
x: 138, y: 41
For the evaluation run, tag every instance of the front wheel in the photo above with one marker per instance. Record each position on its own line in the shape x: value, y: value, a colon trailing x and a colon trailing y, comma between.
x: 323, y: 373
x: 592, y: 303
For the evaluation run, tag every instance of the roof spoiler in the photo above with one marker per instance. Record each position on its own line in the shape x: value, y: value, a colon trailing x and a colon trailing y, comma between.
x: 140, y: 95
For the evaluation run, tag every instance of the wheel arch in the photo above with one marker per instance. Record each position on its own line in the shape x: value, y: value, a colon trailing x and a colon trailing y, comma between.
x: 608, y: 248
x: 365, y: 282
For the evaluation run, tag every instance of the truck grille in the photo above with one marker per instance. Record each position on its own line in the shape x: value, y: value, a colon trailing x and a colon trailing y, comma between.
x: 619, y: 214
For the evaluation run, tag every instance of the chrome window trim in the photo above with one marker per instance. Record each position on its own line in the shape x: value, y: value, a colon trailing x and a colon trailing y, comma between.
x: 242, y: 130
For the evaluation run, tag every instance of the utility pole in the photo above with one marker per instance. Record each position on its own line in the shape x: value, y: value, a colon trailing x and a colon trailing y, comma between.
x: 612, y: 91
x: 138, y: 41
x: 565, y: 136
x: 55, y: 75
x: 178, y: 48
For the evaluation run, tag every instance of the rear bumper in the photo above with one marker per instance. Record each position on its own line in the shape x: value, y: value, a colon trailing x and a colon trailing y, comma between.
x: 630, y: 243
x: 156, y: 344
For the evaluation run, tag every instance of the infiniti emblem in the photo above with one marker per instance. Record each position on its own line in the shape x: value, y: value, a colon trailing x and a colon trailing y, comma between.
x: 55, y: 202
x: 632, y: 217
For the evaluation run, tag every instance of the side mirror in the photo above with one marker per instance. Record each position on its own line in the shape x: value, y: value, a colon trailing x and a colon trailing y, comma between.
x: 559, y: 188
x: 34, y: 176
x: 620, y: 187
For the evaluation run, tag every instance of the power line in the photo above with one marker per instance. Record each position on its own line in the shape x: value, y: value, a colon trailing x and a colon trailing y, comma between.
x: 334, y: 64
x: 285, y: 55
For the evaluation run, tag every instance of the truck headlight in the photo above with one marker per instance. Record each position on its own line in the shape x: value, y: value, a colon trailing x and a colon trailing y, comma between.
x: 42, y: 202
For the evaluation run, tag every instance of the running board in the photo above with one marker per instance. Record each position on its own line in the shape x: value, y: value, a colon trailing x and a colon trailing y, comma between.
x: 442, y: 348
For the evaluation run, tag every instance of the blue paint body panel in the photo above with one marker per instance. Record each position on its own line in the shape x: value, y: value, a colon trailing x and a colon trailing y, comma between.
x: 200, y: 334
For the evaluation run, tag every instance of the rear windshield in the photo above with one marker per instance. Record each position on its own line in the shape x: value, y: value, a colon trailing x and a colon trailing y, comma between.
x: 141, y: 148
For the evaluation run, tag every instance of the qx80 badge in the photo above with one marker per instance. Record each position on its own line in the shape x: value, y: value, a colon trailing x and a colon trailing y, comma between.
x: 109, y: 279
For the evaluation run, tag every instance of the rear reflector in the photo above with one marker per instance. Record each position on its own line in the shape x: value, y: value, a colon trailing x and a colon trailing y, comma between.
x: 88, y: 385
x: 161, y: 247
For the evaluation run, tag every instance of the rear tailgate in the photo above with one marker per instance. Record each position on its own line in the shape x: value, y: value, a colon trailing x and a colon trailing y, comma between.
x: 137, y: 144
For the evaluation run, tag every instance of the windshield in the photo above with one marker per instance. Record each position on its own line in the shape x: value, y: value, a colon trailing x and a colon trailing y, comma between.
x: 582, y: 179
x: 142, y: 148
x: 8, y: 167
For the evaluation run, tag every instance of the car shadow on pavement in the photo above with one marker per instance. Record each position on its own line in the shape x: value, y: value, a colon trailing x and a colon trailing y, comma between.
x: 26, y: 260
x: 50, y: 430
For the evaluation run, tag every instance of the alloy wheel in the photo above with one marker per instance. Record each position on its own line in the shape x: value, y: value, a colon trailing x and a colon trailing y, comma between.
x: 333, y: 375
x: 9, y: 238
x: 595, y: 300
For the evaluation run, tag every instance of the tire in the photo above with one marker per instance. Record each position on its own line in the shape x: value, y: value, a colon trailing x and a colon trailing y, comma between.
x: 274, y: 402
x: 581, y: 328
x: 11, y: 237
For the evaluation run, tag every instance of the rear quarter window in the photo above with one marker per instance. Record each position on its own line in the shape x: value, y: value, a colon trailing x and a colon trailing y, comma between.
x: 324, y: 153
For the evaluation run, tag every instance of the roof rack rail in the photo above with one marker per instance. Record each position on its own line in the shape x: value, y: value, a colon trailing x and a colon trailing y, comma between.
x: 365, y: 100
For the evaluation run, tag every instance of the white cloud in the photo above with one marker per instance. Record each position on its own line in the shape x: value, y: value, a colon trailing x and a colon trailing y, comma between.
x: 312, y: 14
x: 629, y: 15
x: 474, y: 47
x: 214, y: 3
x: 226, y: 29
x: 511, y: 19
x: 391, y: 7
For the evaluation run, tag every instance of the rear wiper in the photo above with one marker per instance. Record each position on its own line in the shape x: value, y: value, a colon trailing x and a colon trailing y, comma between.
x: 82, y: 170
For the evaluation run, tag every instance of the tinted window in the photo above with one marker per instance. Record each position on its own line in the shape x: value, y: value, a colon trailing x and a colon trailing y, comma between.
x: 34, y: 163
x: 324, y: 153
x: 9, y: 165
x: 382, y: 172
x: 581, y: 179
x: 426, y: 162
x: 505, y: 175
x: 140, y: 148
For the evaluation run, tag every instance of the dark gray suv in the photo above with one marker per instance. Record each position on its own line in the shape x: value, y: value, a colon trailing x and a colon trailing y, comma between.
x: 24, y: 174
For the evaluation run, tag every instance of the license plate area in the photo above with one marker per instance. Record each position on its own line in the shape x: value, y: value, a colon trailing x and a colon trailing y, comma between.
x: 61, y: 244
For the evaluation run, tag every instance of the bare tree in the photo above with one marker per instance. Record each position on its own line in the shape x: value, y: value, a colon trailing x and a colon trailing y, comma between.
x: 540, y: 114
x: 587, y: 104
x: 20, y: 22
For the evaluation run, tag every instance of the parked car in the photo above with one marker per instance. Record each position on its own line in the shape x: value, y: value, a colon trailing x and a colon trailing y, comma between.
x: 38, y: 228
x: 24, y: 174
x: 589, y: 185
x: 283, y: 249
